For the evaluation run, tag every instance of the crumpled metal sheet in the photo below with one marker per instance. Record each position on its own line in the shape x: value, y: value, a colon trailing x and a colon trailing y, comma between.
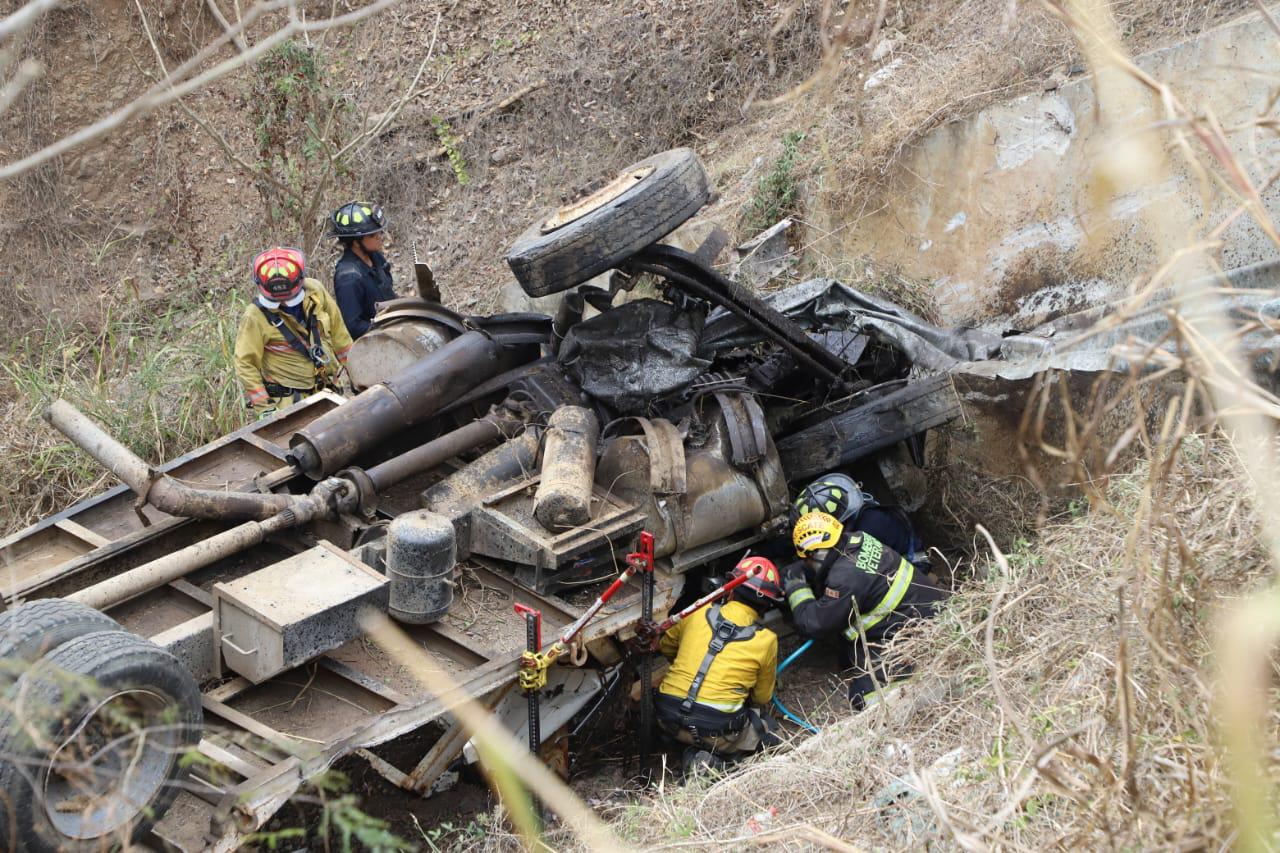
x: 635, y: 353
x: 823, y: 303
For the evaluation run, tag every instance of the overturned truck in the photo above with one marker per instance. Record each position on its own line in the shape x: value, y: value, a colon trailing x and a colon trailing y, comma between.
x: 211, y: 605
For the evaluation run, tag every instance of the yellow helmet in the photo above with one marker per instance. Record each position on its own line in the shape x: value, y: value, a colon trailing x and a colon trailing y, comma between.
x: 816, y: 531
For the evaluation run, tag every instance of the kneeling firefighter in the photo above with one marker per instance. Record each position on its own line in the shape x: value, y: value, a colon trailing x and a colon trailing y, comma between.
x: 291, y: 341
x: 839, y: 496
x: 723, y: 663
x: 866, y: 591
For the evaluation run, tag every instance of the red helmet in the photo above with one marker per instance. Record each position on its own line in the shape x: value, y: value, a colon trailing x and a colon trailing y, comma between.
x: 279, y: 272
x: 765, y: 579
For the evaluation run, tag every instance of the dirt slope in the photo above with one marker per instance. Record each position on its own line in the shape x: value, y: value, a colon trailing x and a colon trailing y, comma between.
x: 149, y: 206
x: 137, y: 244
x: 534, y: 100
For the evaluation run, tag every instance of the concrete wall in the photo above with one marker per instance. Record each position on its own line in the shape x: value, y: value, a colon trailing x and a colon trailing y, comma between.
x: 1004, y: 212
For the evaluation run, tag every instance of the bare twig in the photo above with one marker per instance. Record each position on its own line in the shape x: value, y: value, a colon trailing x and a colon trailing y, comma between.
x: 236, y: 38
x: 1013, y: 715
x: 170, y: 89
x: 480, y: 723
x: 410, y: 92
x: 27, y: 71
x: 25, y: 17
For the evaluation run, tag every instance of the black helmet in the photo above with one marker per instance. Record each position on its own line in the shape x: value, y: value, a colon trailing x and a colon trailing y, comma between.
x: 835, y: 494
x: 356, y: 219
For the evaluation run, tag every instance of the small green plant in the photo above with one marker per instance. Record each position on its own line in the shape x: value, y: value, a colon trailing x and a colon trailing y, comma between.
x: 447, y: 835
x: 301, y: 124
x: 450, y: 144
x: 340, y: 817
x: 777, y: 192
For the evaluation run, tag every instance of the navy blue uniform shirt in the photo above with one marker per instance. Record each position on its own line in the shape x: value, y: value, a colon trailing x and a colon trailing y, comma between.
x: 359, y: 288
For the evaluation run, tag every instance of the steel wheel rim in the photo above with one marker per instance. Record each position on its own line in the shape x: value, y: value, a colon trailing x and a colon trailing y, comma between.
x: 112, y: 764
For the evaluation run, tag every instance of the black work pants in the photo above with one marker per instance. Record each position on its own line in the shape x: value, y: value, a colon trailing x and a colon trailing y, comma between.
x: 870, y: 673
x: 707, y: 728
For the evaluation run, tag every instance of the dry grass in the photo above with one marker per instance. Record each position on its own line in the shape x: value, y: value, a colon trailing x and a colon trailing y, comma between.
x: 1062, y: 700
x: 130, y: 230
x: 1071, y: 694
x: 161, y: 399
x: 941, y: 61
x: 621, y: 82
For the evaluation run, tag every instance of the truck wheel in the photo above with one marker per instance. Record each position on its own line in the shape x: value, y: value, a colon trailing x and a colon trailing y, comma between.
x: 645, y: 203
x: 30, y: 631
x: 92, y: 742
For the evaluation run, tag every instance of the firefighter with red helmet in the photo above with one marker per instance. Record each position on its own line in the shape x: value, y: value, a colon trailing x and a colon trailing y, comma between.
x: 292, y: 341
x: 722, y: 664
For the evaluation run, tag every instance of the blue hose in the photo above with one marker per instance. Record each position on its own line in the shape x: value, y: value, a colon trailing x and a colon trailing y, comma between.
x: 791, y: 658
x: 777, y: 703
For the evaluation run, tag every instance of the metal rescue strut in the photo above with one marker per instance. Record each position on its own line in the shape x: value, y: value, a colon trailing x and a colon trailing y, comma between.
x: 533, y: 644
x: 534, y: 664
x: 643, y: 562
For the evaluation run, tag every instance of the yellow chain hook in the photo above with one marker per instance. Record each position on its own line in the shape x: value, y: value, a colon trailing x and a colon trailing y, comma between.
x: 534, y: 666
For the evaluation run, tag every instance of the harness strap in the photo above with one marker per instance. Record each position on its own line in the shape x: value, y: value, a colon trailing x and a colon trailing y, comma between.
x: 313, y: 350
x: 723, y: 632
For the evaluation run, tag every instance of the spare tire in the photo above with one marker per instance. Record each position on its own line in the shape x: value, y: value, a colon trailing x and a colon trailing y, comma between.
x: 648, y: 201
x: 32, y: 630
x: 92, y: 743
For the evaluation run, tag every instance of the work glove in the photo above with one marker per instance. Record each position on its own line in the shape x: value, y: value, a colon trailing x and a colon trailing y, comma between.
x: 793, y: 576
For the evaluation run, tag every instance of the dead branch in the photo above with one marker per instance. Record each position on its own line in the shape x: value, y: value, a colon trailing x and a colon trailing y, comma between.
x: 364, y: 138
x: 237, y: 39
x: 25, y: 17
x: 170, y: 89
x: 213, y: 133
x: 28, y: 70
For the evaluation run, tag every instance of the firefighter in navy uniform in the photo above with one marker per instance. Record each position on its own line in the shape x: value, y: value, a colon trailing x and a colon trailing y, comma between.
x: 292, y: 341
x: 362, y: 276
x: 723, y: 664
x: 865, y: 592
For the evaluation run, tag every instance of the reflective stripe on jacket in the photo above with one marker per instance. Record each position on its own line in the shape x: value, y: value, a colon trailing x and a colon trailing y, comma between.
x: 263, y: 356
x: 870, y: 577
x: 886, y: 605
x: 744, y: 670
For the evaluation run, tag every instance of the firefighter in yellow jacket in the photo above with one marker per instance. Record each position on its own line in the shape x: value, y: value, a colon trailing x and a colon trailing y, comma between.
x: 292, y: 341
x: 722, y: 663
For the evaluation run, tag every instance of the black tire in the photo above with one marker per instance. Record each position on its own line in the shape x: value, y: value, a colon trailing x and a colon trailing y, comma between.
x: 616, y: 230
x: 92, y: 697
x: 30, y: 631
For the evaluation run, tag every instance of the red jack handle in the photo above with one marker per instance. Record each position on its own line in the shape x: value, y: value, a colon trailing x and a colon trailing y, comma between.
x: 527, y: 611
x: 637, y: 562
x: 642, y: 560
x: 716, y: 593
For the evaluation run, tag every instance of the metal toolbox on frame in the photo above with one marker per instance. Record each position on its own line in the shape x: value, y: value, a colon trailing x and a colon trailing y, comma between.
x: 293, y: 611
